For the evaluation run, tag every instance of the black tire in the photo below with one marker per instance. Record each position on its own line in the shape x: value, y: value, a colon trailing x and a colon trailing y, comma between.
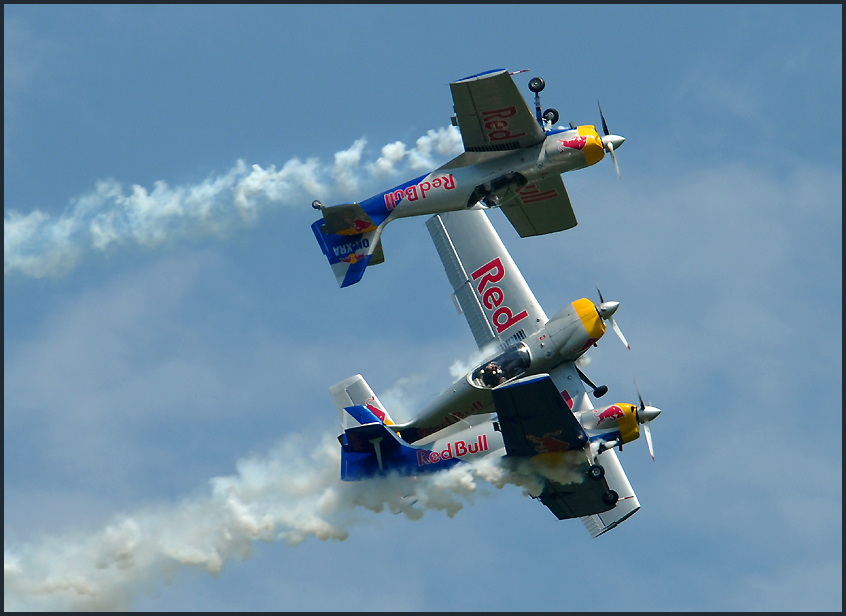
x: 596, y: 472
x: 551, y: 115
x: 610, y: 497
x: 537, y: 84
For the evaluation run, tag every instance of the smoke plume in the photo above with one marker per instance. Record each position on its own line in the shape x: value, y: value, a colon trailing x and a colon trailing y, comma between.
x: 290, y: 495
x: 39, y: 245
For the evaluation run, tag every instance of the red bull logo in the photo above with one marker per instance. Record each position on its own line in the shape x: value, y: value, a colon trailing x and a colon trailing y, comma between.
x: 360, y: 226
x: 370, y: 404
x: 418, y: 191
x: 453, y: 450
x: 612, y: 413
x: 576, y: 143
x: 548, y: 443
x: 493, y: 297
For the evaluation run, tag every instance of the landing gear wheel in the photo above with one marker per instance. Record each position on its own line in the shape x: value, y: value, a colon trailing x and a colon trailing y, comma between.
x: 551, y: 115
x: 610, y: 497
x: 596, y: 472
x: 537, y: 84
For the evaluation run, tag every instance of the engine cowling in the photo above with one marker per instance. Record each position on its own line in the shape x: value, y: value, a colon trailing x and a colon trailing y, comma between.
x: 620, y: 418
x: 575, y: 328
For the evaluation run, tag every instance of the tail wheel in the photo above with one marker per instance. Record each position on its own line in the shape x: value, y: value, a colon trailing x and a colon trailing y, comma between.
x: 596, y: 472
x: 537, y: 84
x: 610, y: 497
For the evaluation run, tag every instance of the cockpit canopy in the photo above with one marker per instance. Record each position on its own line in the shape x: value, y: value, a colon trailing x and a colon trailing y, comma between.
x: 513, y: 362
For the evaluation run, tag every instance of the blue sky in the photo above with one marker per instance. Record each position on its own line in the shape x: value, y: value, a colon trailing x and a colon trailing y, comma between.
x: 168, y: 349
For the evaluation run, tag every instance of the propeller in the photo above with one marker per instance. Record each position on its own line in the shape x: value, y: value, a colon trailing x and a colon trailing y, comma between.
x: 606, y: 311
x: 610, y: 142
x: 646, y: 414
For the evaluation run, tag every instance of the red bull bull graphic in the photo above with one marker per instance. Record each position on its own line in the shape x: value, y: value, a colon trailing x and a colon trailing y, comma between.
x: 612, y: 413
x: 576, y: 143
x: 493, y: 297
x: 548, y: 443
x: 359, y: 226
x: 454, y: 450
x: 371, y: 403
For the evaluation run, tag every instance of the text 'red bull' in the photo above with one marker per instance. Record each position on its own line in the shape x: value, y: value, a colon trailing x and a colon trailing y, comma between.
x: 492, y: 298
x: 418, y: 191
x: 453, y: 450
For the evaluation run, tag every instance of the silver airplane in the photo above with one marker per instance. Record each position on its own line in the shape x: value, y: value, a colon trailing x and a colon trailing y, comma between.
x: 513, y: 159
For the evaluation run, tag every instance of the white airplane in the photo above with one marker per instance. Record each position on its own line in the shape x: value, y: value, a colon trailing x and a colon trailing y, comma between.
x: 512, y: 160
x: 526, y: 402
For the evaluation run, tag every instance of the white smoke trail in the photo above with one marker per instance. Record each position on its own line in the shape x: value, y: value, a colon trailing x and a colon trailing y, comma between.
x: 39, y: 245
x: 290, y: 495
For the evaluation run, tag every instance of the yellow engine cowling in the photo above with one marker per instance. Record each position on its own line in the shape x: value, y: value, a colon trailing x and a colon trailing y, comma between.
x: 575, y: 328
x: 627, y: 424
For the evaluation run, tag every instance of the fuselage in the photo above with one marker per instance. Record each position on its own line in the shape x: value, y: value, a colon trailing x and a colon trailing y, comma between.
x: 454, y: 185
x: 564, y: 337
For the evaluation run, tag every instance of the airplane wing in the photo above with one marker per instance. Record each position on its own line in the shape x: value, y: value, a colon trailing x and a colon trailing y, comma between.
x: 572, y: 390
x: 540, y: 208
x: 534, y: 419
x: 492, y: 114
x: 491, y: 292
x: 536, y: 423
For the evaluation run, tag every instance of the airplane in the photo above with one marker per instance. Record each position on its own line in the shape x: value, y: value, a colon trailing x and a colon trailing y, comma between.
x: 526, y: 402
x: 512, y: 160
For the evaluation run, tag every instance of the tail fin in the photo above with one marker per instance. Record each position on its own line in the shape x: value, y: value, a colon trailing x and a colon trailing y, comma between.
x: 355, y: 391
x: 349, y: 254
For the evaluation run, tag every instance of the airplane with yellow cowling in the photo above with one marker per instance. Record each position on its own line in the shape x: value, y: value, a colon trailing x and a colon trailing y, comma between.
x: 525, y: 402
x: 513, y: 160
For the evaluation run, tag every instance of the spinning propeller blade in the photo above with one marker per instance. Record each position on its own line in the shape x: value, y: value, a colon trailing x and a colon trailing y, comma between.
x: 606, y: 311
x: 648, y: 434
x: 646, y: 414
x: 609, y: 141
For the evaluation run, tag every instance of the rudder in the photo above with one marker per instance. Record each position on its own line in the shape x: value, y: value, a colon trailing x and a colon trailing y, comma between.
x: 354, y: 391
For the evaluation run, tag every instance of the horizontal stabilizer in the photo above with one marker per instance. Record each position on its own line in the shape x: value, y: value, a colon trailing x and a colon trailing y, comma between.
x: 347, y: 219
x: 371, y: 448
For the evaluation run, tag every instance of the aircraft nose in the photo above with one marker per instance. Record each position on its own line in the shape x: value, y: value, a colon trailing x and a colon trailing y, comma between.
x: 648, y: 413
x: 606, y: 309
x: 615, y: 140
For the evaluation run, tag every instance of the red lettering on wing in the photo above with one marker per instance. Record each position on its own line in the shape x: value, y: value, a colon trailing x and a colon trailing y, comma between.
x: 531, y: 194
x: 495, y: 122
x: 490, y: 273
x: 485, y: 271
